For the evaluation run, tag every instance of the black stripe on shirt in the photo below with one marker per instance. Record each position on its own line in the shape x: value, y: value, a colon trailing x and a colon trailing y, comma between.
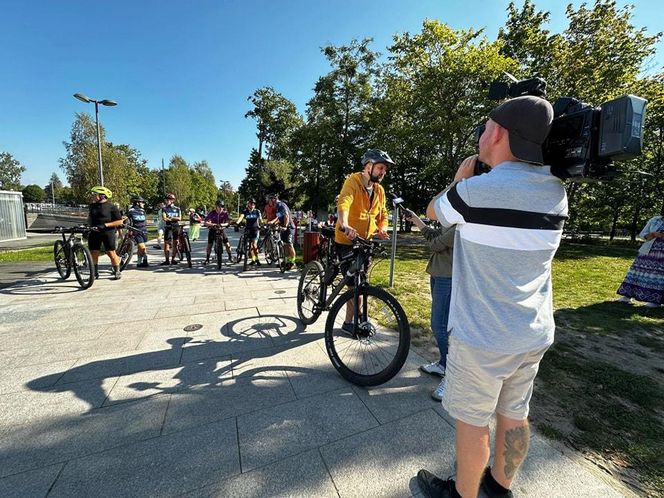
x: 499, y: 217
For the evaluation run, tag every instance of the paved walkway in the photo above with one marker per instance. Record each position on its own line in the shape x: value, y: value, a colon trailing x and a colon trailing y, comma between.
x: 176, y: 381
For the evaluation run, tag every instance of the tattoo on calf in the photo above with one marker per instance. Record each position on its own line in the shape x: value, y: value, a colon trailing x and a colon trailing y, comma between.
x: 517, y: 441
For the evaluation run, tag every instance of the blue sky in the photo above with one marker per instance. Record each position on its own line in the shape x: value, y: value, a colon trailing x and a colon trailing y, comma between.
x: 181, y: 71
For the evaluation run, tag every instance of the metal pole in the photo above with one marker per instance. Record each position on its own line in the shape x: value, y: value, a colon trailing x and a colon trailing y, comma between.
x: 53, y: 193
x: 163, y: 178
x: 394, y: 243
x: 238, y: 203
x: 101, y: 170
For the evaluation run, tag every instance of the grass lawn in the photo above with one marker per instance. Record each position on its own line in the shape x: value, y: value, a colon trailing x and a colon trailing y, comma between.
x: 600, y: 388
x: 43, y: 253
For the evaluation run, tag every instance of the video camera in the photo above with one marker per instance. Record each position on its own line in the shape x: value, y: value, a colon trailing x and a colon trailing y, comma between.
x: 584, y: 141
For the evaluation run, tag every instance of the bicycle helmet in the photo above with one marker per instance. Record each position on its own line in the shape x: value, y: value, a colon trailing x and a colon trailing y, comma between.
x: 136, y: 199
x: 219, y: 203
x: 251, y: 200
x: 170, y: 196
x: 102, y: 191
x: 376, y: 156
x: 273, y: 196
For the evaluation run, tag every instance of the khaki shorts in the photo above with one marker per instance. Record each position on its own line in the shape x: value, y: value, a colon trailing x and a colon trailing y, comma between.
x: 480, y: 383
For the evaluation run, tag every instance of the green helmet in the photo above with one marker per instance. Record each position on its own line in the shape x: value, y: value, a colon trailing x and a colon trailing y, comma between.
x: 102, y: 190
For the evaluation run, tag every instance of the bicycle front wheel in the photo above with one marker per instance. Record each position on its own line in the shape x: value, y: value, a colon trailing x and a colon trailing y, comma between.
x: 83, y: 266
x: 61, y: 260
x: 268, y: 251
x: 239, y: 250
x: 310, y: 296
x: 126, y: 252
x: 245, y: 254
x: 218, y: 251
x: 187, y: 249
x: 373, y: 350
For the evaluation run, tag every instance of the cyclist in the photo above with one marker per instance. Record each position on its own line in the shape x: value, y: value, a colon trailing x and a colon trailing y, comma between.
x: 159, y: 223
x: 136, y: 217
x: 361, y: 210
x: 217, y: 217
x: 252, y: 217
x: 171, y: 214
x: 283, y: 218
x: 105, y: 217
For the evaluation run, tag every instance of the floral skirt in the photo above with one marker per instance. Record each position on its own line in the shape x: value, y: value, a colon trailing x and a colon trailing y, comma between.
x: 645, y: 278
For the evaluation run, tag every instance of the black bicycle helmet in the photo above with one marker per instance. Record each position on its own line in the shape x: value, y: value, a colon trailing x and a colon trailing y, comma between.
x: 273, y: 196
x: 252, y: 200
x: 219, y: 203
x: 376, y: 156
x: 136, y: 199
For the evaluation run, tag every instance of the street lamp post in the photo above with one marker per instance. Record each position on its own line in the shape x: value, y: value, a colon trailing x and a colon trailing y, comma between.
x: 105, y: 102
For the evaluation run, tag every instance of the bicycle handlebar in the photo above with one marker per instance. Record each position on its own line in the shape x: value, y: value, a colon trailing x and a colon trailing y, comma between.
x: 75, y: 229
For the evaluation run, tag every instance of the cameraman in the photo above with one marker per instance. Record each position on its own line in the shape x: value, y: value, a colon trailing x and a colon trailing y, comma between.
x: 508, y: 227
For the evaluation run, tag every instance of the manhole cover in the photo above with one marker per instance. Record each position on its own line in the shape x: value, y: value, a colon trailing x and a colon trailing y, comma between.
x: 280, y: 292
x: 193, y: 327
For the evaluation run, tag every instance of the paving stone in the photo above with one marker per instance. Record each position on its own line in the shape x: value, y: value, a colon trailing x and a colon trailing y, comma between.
x: 34, y: 483
x: 232, y: 397
x: 383, y: 461
x: 276, y: 432
x: 169, y: 380
x: 162, y: 466
x: 123, y: 363
x: 48, y: 440
x: 38, y: 376
x: 302, y: 475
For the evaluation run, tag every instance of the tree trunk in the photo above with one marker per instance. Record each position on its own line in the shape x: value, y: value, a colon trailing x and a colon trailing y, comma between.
x: 616, y: 212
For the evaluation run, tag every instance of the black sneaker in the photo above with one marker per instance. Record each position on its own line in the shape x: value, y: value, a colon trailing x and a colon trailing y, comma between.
x: 165, y: 263
x: 207, y: 261
x: 258, y: 263
x: 174, y: 261
x: 491, y: 488
x: 348, y: 329
x: 434, y: 487
x: 251, y: 263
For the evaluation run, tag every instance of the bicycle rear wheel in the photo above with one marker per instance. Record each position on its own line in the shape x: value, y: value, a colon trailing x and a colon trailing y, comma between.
x: 218, y: 251
x: 268, y: 248
x: 61, y: 260
x: 310, y: 296
x: 187, y: 249
x: 377, y: 347
x: 83, y: 266
x: 126, y: 251
x: 245, y: 254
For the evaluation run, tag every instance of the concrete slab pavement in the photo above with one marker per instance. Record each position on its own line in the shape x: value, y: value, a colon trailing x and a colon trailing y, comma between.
x: 198, y: 382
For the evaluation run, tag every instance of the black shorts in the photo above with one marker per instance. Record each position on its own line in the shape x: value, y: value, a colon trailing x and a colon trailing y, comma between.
x: 140, y: 237
x: 212, y: 233
x: 171, y: 231
x: 251, y: 233
x: 286, y: 236
x: 107, y: 238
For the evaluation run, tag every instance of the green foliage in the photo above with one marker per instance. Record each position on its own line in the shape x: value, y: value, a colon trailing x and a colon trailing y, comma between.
x: 227, y: 194
x: 33, y: 193
x: 10, y: 172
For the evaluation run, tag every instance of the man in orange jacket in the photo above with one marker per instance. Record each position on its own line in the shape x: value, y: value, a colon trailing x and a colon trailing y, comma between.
x: 361, y: 209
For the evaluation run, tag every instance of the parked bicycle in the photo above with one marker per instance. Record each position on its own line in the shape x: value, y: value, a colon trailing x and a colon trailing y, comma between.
x: 126, y: 247
x: 372, y: 349
x: 182, y: 244
x: 70, y: 253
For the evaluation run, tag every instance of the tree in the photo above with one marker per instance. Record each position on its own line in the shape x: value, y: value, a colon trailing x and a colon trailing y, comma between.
x: 33, y: 193
x: 228, y: 195
x: 203, y: 186
x: 10, y: 172
x: 53, y: 190
x: 178, y: 180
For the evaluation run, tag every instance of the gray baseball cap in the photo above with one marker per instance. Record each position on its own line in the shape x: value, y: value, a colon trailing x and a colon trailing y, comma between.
x: 528, y: 122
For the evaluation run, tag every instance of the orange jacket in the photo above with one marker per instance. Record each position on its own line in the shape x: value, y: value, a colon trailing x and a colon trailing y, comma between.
x: 364, y: 217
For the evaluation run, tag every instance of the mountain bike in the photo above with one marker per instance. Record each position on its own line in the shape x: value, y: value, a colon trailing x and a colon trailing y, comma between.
x: 372, y: 348
x: 182, y: 244
x: 70, y: 253
x: 326, y: 254
x: 273, y: 247
x: 218, y: 246
x: 242, y: 250
x: 125, y: 249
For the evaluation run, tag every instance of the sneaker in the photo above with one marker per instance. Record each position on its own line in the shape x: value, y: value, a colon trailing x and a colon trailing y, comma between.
x: 142, y: 264
x: 651, y: 305
x: 174, y: 261
x: 624, y: 299
x: 434, y: 368
x: 348, y: 329
x: 258, y: 263
x: 433, y: 486
x: 437, y: 393
x: 251, y: 263
x: 165, y: 263
x: 207, y: 261
x: 488, y: 486
x: 117, y: 274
